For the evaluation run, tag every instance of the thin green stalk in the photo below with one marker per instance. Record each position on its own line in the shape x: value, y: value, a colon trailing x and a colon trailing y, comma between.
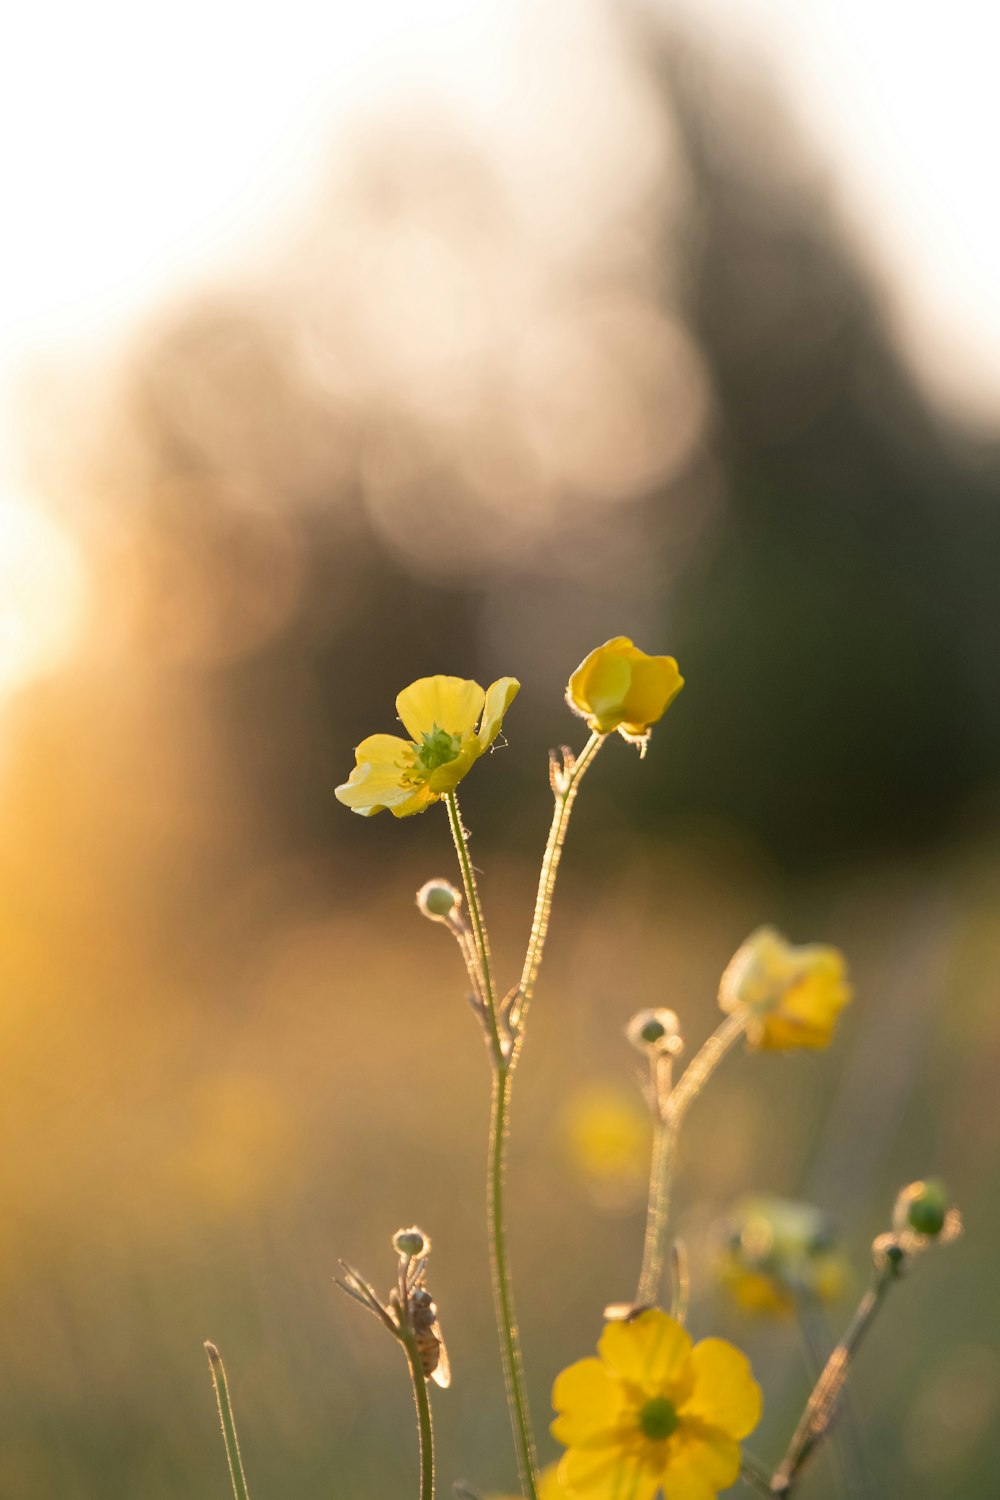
x: 421, y: 1400
x: 821, y: 1408
x: 225, y: 1405
x: 503, y: 1296
x: 565, y: 789
x: 478, y: 924
x: 668, y: 1120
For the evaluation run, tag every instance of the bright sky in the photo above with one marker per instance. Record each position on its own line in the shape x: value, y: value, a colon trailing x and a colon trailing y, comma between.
x: 143, y: 145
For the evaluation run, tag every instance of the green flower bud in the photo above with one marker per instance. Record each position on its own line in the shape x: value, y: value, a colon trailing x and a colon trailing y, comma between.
x: 411, y: 1242
x: 927, y: 1207
x: 438, y: 899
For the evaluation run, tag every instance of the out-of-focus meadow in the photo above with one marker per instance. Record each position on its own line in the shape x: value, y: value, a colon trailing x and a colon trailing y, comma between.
x: 496, y: 392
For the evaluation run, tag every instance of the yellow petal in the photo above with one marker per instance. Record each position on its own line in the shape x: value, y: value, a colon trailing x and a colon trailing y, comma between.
x: 701, y: 1464
x: 451, y: 703
x: 589, y: 1403
x: 608, y: 1474
x: 725, y: 1394
x: 598, y: 687
x: 378, y: 779
x: 655, y: 684
x: 499, y: 697
x: 651, y: 1351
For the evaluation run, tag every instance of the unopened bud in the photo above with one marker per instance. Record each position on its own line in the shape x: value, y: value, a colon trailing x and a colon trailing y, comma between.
x: 922, y: 1207
x: 411, y: 1242
x: 655, y: 1031
x: 438, y: 899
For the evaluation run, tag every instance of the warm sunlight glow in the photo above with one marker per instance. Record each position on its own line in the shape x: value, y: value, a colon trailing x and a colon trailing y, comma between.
x: 41, y: 594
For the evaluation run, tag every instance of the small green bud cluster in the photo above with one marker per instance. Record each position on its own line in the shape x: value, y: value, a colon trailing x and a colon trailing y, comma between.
x: 923, y: 1215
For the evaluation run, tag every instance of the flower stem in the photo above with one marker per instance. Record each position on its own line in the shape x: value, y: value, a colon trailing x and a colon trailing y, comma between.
x: 670, y: 1114
x: 503, y: 1296
x: 821, y: 1408
x: 481, y: 937
x: 229, y: 1437
x: 421, y: 1400
x: 566, y: 784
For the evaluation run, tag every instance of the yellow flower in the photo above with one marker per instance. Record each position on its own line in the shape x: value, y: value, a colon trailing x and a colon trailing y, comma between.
x: 441, y: 715
x: 654, y: 1414
x: 794, y: 994
x: 777, y: 1252
x: 620, y: 687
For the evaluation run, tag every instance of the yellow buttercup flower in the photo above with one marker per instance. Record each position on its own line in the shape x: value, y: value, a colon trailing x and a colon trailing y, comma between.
x: 654, y: 1413
x: 794, y: 994
x: 620, y: 687
x: 451, y: 722
x: 777, y: 1252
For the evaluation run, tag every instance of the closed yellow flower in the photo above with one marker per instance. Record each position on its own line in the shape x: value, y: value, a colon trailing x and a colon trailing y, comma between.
x: 794, y: 994
x: 620, y: 687
x: 451, y: 723
x: 654, y: 1414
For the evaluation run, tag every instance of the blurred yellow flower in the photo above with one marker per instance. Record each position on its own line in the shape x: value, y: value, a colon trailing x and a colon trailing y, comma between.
x: 776, y: 1252
x: 451, y: 722
x: 794, y: 994
x: 620, y: 687
x: 606, y: 1134
x: 654, y: 1413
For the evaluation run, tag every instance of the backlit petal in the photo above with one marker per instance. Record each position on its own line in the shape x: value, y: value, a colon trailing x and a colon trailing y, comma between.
x: 608, y: 1474
x: 725, y: 1394
x: 589, y: 1403
x: 700, y: 1466
x: 451, y: 703
x: 651, y: 1351
x: 499, y: 697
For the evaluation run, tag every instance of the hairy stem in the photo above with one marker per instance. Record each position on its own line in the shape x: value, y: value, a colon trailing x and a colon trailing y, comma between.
x: 564, y: 790
x: 229, y: 1437
x: 503, y: 1296
x: 421, y: 1400
x: 668, y: 1120
x: 821, y: 1408
x: 480, y: 935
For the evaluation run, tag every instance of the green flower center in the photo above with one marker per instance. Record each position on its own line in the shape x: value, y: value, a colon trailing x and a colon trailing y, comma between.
x: 658, y: 1418
x: 439, y: 747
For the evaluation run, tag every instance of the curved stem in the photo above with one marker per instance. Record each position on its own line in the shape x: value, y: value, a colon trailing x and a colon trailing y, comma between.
x: 421, y: 1400
x: 228, y: 1421
x: 669, y: 1118
x: 565, y: 785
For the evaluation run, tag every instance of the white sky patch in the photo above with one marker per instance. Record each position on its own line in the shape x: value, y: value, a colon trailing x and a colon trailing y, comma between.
x: 902, y: 100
